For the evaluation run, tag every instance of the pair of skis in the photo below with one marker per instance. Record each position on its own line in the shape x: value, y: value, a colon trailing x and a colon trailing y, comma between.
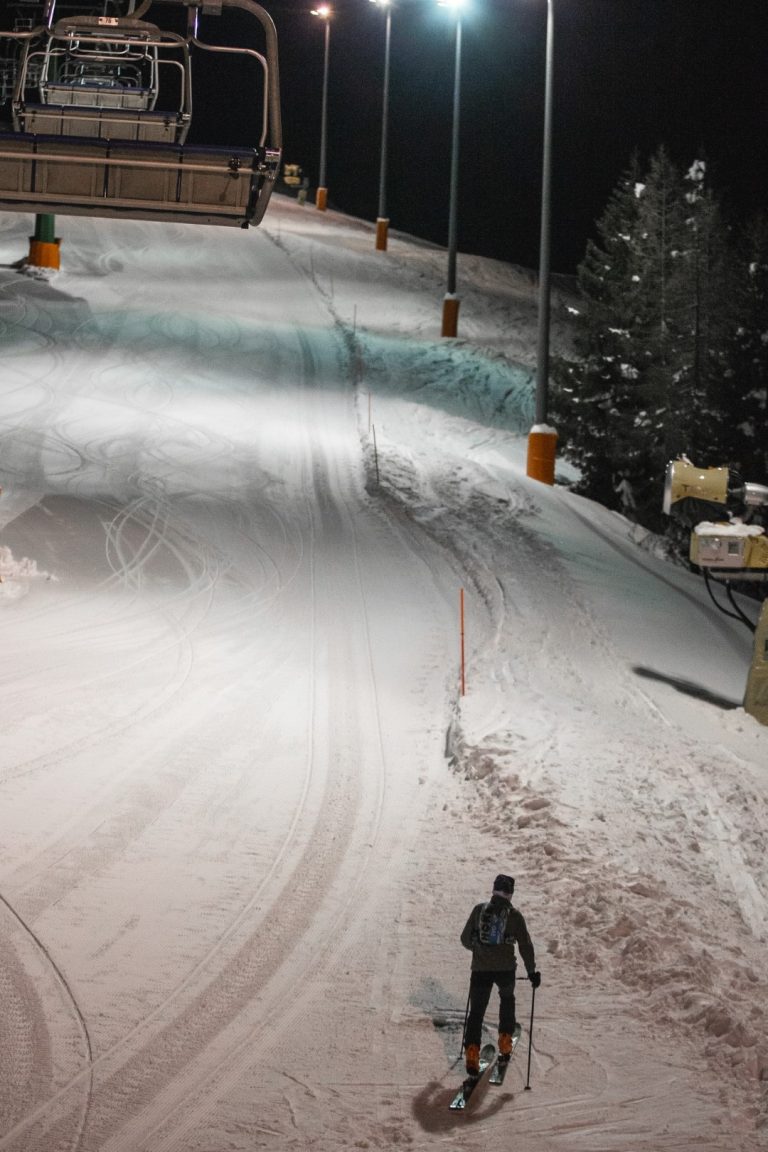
x: 487, y: 1058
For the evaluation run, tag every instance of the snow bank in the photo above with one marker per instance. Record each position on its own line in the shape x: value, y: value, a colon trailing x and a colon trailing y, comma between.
x: 16, y: 576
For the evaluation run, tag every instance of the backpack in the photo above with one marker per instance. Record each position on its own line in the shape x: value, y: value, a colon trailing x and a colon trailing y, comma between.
x: 492, y: 924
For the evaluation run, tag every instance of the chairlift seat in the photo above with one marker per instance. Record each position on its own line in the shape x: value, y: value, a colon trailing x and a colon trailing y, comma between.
x: 142, y: 180
x: 91, y: 94
x: 92, y: 141
x: 103, y: 123
x: 101, y: 28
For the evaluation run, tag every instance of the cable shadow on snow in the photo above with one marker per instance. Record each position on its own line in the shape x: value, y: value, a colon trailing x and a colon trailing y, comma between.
x: 687, y: 687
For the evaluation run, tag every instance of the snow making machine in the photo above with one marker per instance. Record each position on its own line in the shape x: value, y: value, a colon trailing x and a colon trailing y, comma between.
x: 99, y: 112
x: 729, y: 544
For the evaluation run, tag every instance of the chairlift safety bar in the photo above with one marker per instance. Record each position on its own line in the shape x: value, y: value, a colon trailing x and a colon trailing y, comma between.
x: 119, y: 162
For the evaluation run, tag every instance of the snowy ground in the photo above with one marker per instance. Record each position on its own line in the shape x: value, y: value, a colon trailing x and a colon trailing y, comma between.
x: 245, y: 810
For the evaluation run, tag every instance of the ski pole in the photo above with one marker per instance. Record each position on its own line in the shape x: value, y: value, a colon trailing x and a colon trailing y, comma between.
x: 530, y: 1038
x: 466, y: 1017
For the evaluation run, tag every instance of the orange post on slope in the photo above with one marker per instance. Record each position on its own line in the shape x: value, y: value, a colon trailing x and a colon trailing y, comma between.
x: 450, y: 325
x: 542, y: 452
x: 382, y: 232
x: 44, y: 254
x: 461, y: 629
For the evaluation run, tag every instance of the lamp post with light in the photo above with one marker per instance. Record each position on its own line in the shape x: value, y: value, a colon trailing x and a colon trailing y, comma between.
x: 451, y: 300
x: 382, y: 220
x: 321, y: 197
x: 542, y: 439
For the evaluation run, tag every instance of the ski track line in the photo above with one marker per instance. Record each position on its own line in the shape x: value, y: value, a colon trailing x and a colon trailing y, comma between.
x: 157, y: 704
x: 193, y: 1103
x: 130, y: 719
x: 208, y: 1092
x: 379, y: 805
x: 226, y: 1065
x: 77, y: 1014
x: 225, y: 449
x: 242, y: 916
x: 331, y: 854
x: 200, y: 586
x: 114, y: 534
x: 14, y: 422
x: 296, y: 818
x: 495, y: 596
x: 129, y: 1046
x: 78, y: 837
x: 126, y: 513
x: 125, y: 1042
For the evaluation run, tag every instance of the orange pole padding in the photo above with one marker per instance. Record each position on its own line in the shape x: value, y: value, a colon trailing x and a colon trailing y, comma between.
x: 450, y: 316
x: 44, y: 253
x: 321, y: 199
x: 461, y: 629
x: 382, y: 231
x: 542, y: 449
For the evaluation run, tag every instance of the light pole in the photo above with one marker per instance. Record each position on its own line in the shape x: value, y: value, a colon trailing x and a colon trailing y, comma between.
x: 542, y: 439
x: 451, y: 300
x: 321, y: 197
x: 382, y: 221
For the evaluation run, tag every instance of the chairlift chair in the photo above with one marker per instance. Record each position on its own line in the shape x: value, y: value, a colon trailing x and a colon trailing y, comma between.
x: 89, y: 137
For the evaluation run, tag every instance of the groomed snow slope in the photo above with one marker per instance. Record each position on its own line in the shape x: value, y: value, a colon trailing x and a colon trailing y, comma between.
x: 245, y: 810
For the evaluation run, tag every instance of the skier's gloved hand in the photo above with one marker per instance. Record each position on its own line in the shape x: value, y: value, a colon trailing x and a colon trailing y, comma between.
x: 535, y: 978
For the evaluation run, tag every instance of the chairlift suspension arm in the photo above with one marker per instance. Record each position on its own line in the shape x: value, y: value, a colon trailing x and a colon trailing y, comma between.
x: 244, y: 52
x: 273, y: 76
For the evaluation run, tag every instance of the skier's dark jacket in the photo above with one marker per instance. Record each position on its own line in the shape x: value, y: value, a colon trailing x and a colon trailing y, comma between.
x: 499, y: 957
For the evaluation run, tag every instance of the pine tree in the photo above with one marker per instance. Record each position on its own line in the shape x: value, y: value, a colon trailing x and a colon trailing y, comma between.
x: 743, y: 396
x: 659, y: 257
x: 593, y: 399
x: 649, y: 369
x: 706, y: 288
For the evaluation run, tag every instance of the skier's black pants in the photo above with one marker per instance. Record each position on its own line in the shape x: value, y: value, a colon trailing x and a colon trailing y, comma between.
x: 480, y: 988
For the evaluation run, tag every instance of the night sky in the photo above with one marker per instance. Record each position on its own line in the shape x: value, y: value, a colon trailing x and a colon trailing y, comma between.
x: 628, y: 74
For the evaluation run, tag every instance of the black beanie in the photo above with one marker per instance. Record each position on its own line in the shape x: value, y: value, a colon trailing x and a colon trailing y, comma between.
x: 504, y: 883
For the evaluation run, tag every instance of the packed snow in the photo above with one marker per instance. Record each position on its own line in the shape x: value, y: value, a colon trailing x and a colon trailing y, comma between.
x: 246, y: 808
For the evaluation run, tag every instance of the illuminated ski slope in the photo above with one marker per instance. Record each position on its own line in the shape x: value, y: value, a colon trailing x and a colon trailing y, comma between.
x: 234, y: 860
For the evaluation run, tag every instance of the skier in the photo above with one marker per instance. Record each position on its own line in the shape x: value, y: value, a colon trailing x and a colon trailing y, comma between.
x: 491, y: 932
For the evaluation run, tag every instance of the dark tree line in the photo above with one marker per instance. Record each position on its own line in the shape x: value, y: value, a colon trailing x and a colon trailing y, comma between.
x: 671, y: 342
